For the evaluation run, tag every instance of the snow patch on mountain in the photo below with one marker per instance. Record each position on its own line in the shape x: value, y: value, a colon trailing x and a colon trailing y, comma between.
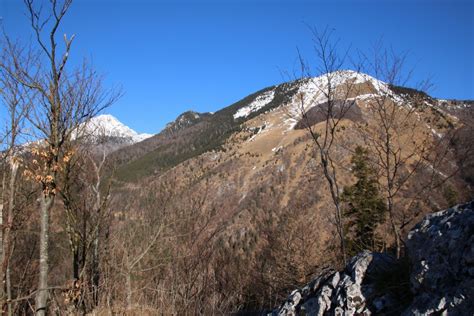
x: 314, y: 91
x: 256, y: 104
x: 106, y: 125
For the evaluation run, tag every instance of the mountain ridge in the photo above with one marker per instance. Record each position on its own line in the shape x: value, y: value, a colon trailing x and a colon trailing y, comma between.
x: 257, y: 179
x: 202, y: 132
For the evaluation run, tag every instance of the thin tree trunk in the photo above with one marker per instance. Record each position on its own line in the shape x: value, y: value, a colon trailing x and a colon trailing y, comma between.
x: 7, y: 239
x: 9, y: 291
x: 336, y: 201
x: 396, y: 233
x: 2, y: 254
x: 42, y: 294
x: 75, y: 264
x: 390, y: 175
x: 95, y: 251
x: 95, y: 269
x: 129, y: 290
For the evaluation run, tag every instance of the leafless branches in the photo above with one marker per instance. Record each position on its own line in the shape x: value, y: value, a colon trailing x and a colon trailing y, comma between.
x: 63, y: 99
x: 332, y: 101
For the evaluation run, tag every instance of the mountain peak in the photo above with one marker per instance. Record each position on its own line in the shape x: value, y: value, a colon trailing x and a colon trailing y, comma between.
x: 108, y: 125
x: 184, y: 120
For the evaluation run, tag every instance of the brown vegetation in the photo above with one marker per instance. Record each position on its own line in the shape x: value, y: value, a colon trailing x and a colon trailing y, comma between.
x: 226, y: 224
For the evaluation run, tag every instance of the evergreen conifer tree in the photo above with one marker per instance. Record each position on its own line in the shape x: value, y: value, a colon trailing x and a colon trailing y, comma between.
x: 365, y: 208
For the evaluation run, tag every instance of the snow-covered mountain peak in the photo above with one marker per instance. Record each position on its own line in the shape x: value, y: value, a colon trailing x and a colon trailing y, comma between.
x: 340, y: 77
x: 315, y: 89
x: 106, y: 125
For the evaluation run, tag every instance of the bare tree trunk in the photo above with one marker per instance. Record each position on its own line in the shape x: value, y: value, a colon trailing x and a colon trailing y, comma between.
x: 7, y: 241
x: 95, y: 250
x: 2, y: 254
x: 395, y: 230
x: 390, y: 175
x: 42, y: 294
x: 9, y: 291
x: 336, y: 200
x: 129, y: 289
x: 95, y: 269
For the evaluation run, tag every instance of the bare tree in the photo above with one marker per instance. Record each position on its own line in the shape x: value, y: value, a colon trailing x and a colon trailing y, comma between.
x: 332, y: 102
x: 15, y: 100
x: 400, y: 141
x: 140, y: 244
x: 63, y: 99
x: 394, y: 134
x: 403, y: 138
x: 85, y: 195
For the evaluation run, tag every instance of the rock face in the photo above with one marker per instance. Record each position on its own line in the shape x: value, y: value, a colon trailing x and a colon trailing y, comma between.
x: 441, y: 254
x: 341, y: 293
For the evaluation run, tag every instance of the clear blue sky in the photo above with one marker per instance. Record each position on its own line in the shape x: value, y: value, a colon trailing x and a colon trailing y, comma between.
x: 171, y: 56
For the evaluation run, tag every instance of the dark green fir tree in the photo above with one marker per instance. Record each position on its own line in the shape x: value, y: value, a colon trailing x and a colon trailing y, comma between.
x: 365, y: 208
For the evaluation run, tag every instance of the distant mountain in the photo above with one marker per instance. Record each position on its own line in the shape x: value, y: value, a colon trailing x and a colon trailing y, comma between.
x: 268, y: 117
x: 193, y: 134
x: 104, y: 132
x: 107, y: 126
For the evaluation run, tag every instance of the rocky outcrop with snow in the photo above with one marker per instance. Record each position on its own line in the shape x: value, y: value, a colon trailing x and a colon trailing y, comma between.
x: 441, y: 254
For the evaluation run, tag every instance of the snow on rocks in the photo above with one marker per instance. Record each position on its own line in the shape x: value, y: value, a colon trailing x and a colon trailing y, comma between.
x: 317, y: 88
x: 314, y: 91
x: 255, y: 105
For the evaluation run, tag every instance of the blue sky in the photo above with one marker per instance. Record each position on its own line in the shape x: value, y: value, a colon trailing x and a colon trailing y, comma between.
x: 172, y: 56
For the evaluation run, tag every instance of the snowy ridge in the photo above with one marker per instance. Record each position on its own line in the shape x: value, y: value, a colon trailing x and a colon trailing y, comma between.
x: 316, y: 89
x: 106, y: 125
x: 256, y: 104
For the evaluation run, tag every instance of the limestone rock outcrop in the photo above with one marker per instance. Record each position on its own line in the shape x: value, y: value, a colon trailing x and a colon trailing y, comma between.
x: 440, y: 250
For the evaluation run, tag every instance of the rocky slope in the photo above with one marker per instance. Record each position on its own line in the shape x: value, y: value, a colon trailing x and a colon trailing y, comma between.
x: 441, y: 275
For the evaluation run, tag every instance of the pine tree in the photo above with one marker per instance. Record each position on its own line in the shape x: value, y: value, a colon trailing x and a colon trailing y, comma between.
x: 365, y: 208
